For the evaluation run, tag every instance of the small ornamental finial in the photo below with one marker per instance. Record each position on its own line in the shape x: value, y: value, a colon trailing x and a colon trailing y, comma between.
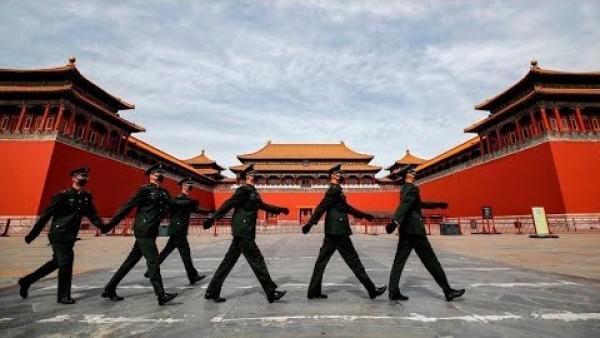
x: 407, y: 152
x: 72, y: 60
x: 202, y: 152
x: 268, y: 141
x: 534, y: 64
x: 342, y: 142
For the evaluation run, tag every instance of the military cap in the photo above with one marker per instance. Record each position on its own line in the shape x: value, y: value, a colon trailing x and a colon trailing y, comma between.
x: 80, y: 171
x: 248, y: 171
x: 158, y: 167
x: 187, y: 179
x: 335, y: 169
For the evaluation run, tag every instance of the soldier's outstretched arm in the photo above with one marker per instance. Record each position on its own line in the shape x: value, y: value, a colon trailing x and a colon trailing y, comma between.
x: 329, y: 200
x: 357, y: 213
x: 133, y: 202
x: 44, y: 217
x: 433, y: 205
x: 272, y: 208
x: 196, y: 209
x: 408, y: 198
x: 92, y: 214
x: 238, y: 197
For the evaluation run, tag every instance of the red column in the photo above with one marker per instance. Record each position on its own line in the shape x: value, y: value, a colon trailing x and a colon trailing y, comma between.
x: 125, y: 144
x: 579, y: 119
x: 119, y: 142
x: 498, y: 139
x: 88, y: 128
x: 557, y: 117
x: 21, y: 117
x: 44, y: 117
x: 534, y: 128
x: 71, y: 128
x: 519, y: 131
x: 481, y: 150
x: 545, y: 118
x: 487, y: 143
x: 59, y: 118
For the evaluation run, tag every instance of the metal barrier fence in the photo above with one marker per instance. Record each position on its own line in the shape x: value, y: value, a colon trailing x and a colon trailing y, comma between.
x: 515, y: 224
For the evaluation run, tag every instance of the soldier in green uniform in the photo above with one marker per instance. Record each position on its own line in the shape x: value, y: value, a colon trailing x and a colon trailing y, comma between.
x: 180, y: 209
x: 245, y: 201
x: 337, y: 237
x: 66, y: 209
x: 151, y: 201
x: 412, y: 236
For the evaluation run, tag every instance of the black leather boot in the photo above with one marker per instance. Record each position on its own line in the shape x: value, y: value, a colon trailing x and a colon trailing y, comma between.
x: 377, y: 292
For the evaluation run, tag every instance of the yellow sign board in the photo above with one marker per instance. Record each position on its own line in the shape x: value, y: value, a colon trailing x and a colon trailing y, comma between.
x: 540, y: 222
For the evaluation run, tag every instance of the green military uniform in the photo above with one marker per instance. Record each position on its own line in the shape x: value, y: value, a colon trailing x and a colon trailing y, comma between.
x: 337, y: 237
x: 246, y: 202
x: 66, y: 209
x: 413, y: 236
x: 181, y: 208
x: 151, y: 202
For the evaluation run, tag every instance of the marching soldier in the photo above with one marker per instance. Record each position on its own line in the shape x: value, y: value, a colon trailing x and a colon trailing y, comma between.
x: 245, y: 201
x: 181, y: 208
x: 412, y: 236
x: 337, y: 237
x: 66, y: 209
x: 151, y: 201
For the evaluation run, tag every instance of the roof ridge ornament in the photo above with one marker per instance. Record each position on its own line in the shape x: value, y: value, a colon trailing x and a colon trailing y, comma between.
x: 534, y: 64
x: 72, y: 60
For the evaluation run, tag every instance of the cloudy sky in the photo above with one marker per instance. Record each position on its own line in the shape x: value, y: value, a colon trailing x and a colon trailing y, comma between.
x: 227, y: 76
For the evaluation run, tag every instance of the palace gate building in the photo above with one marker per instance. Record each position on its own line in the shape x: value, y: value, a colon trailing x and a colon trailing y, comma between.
x: 538, y: 146
x: 53, y: 120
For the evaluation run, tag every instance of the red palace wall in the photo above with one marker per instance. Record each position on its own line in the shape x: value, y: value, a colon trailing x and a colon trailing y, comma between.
x: 377, y: 202
x: 41, y: 169
x: 578, y: 169
x: 23, y: 172
x: 557, y: 175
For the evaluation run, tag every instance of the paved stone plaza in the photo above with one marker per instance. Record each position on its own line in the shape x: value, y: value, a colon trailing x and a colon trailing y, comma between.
x: 506, y: 296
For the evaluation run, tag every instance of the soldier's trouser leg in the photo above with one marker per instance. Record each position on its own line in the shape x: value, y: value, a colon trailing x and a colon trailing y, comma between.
x: 63, y: 255
x: 41, y: 272
x: 257, y: 263
x: 350, y: 256
x: 183, y: 246
x: 65, y: 275
x: 166, y: 251
x: 231, y: 257
x: 325, y: 253
x: 134, y: 256
x: 150, y: 252
x: 427, y: 256
x: 402, y: 252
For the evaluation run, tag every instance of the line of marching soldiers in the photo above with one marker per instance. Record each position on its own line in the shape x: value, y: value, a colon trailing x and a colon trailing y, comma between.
x: 152, y: 201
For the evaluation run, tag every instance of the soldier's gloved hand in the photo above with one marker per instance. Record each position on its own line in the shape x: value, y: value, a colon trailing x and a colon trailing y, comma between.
x: 208, y: 223
x: 368, y: 217
x: 306, y: 228
x: 28, y: 239
x: 284, y: 211
x: 390, y: 227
